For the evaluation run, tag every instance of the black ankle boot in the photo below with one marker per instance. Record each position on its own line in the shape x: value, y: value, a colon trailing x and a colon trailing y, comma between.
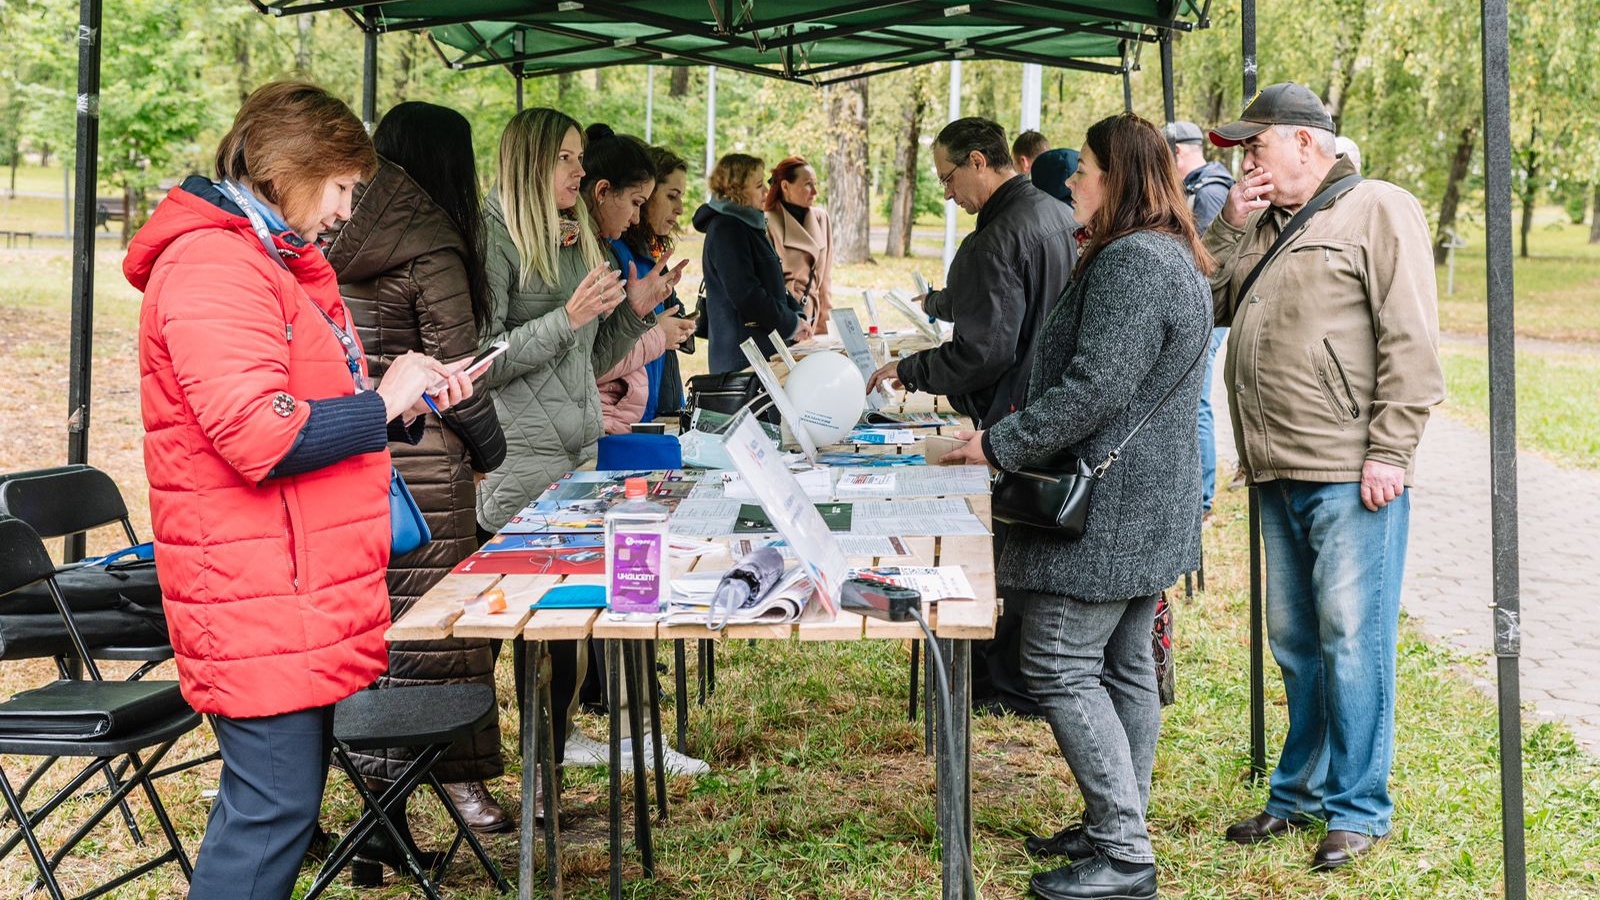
x: 379, y: 850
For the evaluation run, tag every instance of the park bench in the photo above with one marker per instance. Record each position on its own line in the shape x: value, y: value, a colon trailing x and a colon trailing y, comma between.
x: 108, y: 210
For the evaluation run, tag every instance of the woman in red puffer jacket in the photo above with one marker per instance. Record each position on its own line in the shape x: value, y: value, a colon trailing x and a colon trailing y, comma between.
x: 266, y: 453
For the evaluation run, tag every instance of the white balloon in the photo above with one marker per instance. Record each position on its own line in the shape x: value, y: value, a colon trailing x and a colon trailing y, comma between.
x: 829, y: 392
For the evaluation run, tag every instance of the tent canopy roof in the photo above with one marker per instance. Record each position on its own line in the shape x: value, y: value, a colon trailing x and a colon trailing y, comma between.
x: 818, y: 41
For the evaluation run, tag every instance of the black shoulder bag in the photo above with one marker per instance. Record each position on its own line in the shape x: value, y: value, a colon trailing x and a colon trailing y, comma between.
x: 1055, y: 495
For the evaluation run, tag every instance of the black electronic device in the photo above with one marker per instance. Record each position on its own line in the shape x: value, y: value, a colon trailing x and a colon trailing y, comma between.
x: 879, y: 599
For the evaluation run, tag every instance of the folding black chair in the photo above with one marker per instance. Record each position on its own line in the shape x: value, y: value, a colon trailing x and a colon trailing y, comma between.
x: 68, y: 500
x: 424, y: 718
x: 23, y: 562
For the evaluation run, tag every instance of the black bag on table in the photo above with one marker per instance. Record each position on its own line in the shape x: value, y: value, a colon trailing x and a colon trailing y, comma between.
x: 727, y: 393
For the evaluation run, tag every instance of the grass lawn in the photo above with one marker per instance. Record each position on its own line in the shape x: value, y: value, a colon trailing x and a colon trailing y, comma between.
x: 1557, y: 287
x: 820, y: 788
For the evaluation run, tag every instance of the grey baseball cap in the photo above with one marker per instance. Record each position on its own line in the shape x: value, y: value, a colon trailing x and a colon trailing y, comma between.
x: 1182, y: 132
x: 1285, y: 103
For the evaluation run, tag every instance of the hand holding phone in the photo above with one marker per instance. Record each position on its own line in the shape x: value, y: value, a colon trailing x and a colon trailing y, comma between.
x: 478, y: 365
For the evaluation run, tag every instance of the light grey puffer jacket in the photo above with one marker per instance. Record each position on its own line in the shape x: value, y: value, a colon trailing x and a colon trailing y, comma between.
x: 544, y: 385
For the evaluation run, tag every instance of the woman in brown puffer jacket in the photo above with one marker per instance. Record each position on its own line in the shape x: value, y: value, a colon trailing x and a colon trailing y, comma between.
x: 410, y: 264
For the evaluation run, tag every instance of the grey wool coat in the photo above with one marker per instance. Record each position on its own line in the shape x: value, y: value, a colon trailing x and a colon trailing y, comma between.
x: 1146, y: 314
x: 543, y: 386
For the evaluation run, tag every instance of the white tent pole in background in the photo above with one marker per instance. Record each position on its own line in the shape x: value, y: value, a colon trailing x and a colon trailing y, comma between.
x: 649, y: 102
x: 950, y: 205
x: 711, y: 120
x: 1032, y: 96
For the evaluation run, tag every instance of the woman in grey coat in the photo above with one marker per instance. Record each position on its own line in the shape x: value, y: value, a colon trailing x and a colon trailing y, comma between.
x: 1135, y: 316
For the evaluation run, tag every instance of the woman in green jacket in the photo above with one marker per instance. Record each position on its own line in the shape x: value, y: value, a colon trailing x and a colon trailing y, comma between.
x: 567, y: 315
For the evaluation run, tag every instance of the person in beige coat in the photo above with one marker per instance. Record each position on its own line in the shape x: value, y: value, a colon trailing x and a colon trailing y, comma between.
x: 803, y: 236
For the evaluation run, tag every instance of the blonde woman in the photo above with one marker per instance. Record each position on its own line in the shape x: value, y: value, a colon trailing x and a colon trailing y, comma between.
x: 567, y: 315
x: 745, y: 294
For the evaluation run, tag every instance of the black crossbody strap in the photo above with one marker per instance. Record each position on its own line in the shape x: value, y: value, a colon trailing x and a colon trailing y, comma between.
x: 1294, y: 225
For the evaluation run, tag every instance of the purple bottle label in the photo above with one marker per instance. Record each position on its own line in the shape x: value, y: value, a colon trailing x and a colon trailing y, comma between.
x: 635, y: 572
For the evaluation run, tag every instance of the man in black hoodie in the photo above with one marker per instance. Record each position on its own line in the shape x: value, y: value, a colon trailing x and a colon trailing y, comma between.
x: 1003, y: 281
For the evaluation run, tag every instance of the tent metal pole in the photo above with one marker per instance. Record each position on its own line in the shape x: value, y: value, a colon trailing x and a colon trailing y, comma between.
x: 950, y: 205
x: 711, y: 120
x: 1127, y: 87
x: 517, y: 39
x: 1503, y: 436
x: 1258, y: 690
x: 649, y: 103
x: 87, y: 175
x: 1168, y: 97
x: 1032, y: 96
x: 369, y: 78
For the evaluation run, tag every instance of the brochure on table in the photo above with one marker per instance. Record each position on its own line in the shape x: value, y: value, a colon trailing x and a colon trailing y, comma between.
x: 769, y: 380
x: 848, y: 327
x: 792, y: 513
x: 783, y: 349
x: 914, y: 315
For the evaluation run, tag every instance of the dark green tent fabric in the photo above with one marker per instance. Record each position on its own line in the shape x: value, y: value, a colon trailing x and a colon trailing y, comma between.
x: 809, y: 40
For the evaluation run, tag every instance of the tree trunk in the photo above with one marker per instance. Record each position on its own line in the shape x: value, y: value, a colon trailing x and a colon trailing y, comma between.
x: 1452, y: 192
x: 1530, y: 193
x: 679, y: 86
x: 848, y: 203
x: 302, y: 49
x: 903, y: 210
x: 405, y: 65
x: 1594, y: 217
x: 243, y: 80
x: 563, y: 87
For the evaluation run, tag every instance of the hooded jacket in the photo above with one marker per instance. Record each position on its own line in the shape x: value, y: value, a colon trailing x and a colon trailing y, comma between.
x: 273, y: 586
x: 745, y: 297
x: 402, y: 271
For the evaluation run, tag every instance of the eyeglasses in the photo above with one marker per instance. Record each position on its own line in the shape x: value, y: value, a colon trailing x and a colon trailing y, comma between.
x: 944, y: 180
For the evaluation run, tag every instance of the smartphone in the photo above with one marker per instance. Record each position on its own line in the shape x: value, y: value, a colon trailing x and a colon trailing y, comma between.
x: 479, y: 364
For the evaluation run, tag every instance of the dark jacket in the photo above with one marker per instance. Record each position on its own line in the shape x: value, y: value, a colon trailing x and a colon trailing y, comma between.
x: 1002, y: 282
x: 745, y: 296
x: 402, y: 273
x: 1146, y: 315
x: 1207, y: 189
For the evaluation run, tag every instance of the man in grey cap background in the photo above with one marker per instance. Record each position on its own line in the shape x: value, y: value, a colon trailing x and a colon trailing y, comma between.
x: 1206, y: 184
x: 1332, y: 369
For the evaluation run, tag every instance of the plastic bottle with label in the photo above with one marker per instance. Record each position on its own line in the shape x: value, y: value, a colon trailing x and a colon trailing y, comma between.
x: 637, y: 577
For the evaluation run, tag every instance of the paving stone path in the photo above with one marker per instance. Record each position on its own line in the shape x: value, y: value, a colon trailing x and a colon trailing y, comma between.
x: 1448, y: 568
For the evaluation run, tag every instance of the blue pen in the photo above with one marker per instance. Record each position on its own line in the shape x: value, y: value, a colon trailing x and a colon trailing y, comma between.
x: 428, y: 399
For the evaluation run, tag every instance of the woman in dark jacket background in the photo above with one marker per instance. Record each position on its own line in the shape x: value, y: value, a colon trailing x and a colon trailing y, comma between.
x: 745, y: 295
x: 1130, y: 326
x: 410, y: 264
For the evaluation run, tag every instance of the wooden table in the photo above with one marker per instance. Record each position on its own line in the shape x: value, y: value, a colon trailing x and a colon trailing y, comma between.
x: 439, y: 614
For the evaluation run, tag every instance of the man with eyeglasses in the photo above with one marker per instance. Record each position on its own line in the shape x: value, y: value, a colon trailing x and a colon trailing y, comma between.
x: 1004, y: 279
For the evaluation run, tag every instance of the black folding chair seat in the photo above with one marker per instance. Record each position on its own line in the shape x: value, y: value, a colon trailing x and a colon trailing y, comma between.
x: 23, y: 562
x: 426, y: 719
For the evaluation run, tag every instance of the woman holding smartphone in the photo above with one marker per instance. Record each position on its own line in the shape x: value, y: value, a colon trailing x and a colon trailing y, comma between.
x: 410, y: 264
x: 566, y: 314
x: 267, y: 452
x: 631, y: 391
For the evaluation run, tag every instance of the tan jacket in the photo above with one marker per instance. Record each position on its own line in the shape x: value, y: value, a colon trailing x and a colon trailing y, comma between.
x: 1334, y: 357
x: 806, y: 252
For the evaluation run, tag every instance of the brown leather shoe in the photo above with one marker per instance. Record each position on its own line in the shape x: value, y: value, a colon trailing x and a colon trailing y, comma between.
x: 1263, y: 826
x: 1340, y: 848
x: 478, y: 808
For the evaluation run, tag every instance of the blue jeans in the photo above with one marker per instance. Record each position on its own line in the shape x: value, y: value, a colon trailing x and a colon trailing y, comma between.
x: 1206, y: 422
x: 1333, y: 613
x: 1091, y: 668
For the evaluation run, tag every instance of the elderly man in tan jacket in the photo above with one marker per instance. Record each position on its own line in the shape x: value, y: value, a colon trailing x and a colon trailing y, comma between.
x: 1332, y: 368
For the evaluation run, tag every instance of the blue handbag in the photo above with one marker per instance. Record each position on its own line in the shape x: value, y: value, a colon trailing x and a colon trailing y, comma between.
x: 408, y: 530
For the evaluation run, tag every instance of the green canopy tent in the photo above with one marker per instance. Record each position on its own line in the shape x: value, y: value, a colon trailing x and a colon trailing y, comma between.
x: 820, y: 41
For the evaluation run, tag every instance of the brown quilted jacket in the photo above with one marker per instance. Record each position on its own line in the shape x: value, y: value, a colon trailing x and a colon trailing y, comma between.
x: 402, y: 274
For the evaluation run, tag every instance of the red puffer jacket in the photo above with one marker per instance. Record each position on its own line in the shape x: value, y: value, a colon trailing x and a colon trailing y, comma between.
x: 274, y: 587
